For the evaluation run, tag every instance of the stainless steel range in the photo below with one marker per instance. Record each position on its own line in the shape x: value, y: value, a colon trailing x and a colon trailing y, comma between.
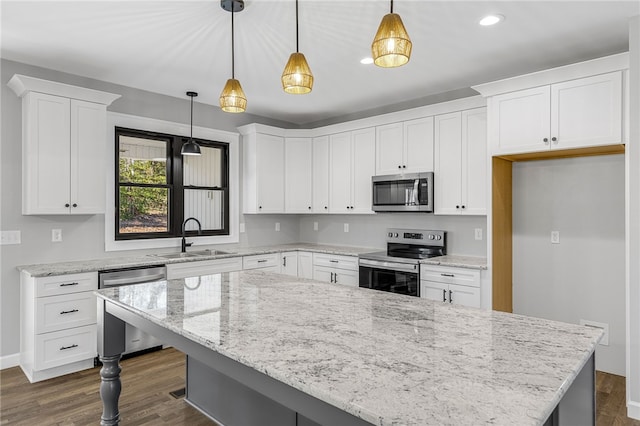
x: 397, y: 269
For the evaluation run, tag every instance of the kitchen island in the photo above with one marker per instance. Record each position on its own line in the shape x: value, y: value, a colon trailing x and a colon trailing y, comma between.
x: 307, y: 352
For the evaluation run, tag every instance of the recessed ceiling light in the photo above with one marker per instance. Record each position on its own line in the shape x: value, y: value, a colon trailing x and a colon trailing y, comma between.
x: 366, y: 61
x: 491, y: 20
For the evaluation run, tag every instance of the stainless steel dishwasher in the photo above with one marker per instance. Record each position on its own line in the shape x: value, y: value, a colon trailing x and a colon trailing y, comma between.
x: 136, y: 340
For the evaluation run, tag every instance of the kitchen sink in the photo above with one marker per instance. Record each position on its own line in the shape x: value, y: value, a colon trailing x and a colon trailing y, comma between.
x: 188, y: 254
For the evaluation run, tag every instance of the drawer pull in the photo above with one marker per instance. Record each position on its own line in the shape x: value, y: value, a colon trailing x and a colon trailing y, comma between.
x: 444, y: 295
x: 68, y: 284
x: 334, y: 261
x: 64, y: 348
x: 262, y: 261
x: 447, y: 275
x: 450, y: 296
x: 69, y: 312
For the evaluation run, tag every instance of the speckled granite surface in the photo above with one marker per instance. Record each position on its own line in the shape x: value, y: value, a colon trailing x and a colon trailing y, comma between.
x: 75, y: 267
x: 386, y: 358
x: 458, y: 261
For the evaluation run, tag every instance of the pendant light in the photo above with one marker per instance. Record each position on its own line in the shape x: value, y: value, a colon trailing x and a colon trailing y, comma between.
x: 391, y: 46
x: 297, y: 78
x: 191, y: 147
x: 232, y: 98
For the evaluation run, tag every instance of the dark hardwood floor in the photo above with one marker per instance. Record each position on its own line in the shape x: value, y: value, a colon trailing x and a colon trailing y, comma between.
x: 145, y: 399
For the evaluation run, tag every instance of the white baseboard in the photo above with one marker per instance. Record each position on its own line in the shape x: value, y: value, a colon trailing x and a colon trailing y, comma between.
x: 9, y: 361
x: 633, y: 410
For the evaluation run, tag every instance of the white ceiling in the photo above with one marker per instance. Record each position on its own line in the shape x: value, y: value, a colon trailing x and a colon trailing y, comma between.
x: 170, y: 47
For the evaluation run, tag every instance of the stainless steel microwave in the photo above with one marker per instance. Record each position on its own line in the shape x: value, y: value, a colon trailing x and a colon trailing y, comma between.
x: 410, y: 192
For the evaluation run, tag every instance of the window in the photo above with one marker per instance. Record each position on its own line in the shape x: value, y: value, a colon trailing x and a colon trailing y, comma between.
x: 157, y: 188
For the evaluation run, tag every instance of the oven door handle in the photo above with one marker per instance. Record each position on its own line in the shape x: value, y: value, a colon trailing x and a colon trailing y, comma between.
x: 392, y: 266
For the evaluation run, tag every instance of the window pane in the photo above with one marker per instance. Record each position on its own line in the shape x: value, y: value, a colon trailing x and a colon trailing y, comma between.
x: 143, y: 210
x: 204, y: 169
x: 142, y: 160
x: 205, y: 205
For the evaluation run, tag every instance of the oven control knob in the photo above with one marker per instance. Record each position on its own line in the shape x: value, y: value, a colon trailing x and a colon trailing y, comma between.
x: 431, y: 236
x: 438, y: 237
x: 390, y: 234
x: 395, y: 235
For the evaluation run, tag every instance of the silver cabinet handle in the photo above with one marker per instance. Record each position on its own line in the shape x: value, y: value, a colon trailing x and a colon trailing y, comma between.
x: 123, y: 281
x: 68, y: 284
x: 335, y: 277
x: 64, y: 348
x: 69, y: 312
x: 450, y: 296
x: 444, y: 295
x: 262, y: 260
x: 333, y: 261
x: 284, y: 261
x: 447, y: 275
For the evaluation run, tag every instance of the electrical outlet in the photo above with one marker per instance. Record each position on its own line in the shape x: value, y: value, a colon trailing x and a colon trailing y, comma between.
x: 555, y: 237
x: 346, y: 227
x: 9, y: 237
x: 315, y: 226
x: 56, y: 235
x: 277, y: 226
x: 478, y: 233
x: 242, y: 229
x: 605, y: 339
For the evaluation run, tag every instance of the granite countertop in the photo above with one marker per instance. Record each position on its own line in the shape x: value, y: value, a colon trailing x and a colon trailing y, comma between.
x: 457, y: 261
x: 80, y: 266
x: 457, y: 365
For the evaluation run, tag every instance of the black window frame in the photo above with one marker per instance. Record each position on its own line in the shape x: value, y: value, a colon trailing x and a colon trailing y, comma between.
x: 174, y: 173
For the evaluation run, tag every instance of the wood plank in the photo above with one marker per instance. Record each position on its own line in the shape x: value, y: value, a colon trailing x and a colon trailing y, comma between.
x: 565, y: 153
x: 501, y: 246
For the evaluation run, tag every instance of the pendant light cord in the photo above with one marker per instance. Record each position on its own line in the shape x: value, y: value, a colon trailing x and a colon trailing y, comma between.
x: 391, y: 6
x: 233, y: 65
x: 191, y: 137
x: 297, y: 48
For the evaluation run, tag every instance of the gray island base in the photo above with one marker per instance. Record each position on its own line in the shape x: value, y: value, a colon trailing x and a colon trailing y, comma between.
x: 271, y: 349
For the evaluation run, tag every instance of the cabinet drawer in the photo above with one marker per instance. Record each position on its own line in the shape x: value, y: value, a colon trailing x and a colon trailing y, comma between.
x: 55, y: 313
x: 335, y: 261
x: 262, y: 261
x: 65, y: 284
x: 205, y: 267
x: 66, y: 346
x: 448, y: 275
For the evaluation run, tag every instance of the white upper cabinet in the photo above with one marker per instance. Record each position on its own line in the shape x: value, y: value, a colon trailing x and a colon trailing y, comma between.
x: 405, y: 147
x: 64, y: 145
x: 264, y: 169
x: 351, y: 166
x: 573, y: 114
x: 320, y: 190
x: 461, y: 162
x: 298, y: 154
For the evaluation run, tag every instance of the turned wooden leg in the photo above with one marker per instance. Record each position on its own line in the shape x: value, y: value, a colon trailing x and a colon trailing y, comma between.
x: 110, y: 387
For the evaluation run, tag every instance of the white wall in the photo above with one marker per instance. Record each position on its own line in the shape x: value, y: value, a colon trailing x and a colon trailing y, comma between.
x: 369, y: 230
x: 583, y: 277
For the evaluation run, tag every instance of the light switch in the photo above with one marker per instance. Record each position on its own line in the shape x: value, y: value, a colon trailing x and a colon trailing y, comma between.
x: 56, y: 235
x: 9, y: 237
x: 478, y: 233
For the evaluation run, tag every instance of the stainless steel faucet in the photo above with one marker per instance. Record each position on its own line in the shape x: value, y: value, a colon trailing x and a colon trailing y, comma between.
x: 184, y: 240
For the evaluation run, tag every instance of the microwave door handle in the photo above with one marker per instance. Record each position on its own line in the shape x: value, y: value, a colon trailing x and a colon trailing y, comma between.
x: 415, y: 192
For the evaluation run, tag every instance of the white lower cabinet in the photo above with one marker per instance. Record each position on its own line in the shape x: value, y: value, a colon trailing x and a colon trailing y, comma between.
x: 451, y: 285
x: 204, y: 267
x: 336, y: 269
x: 305, y: 264
x: 58, y: 331
x: 265, y: 262
x: 289, y: 263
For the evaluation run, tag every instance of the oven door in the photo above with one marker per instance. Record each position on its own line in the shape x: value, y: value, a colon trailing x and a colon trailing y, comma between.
x: 394, y: 277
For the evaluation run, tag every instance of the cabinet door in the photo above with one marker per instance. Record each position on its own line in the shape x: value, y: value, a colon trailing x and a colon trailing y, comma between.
x: 363, y: 157
x: 448, y: 153
x: 474, y: 161
x: 323, y: 273
x: 389, y: 149
x: 340, y: 173
x: 320, y: 179
x: 520, y: 121
x: 346, y: 277
x: 298, y: 175
x: 289, y: 264
x: 45, y: 158
x: 305, y: 264
x: 434, y: 291
x: 88, y: 165
x: 270, y: 173
x: 462, y: 295
x: 418, y: 145
x: 587, y: 112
